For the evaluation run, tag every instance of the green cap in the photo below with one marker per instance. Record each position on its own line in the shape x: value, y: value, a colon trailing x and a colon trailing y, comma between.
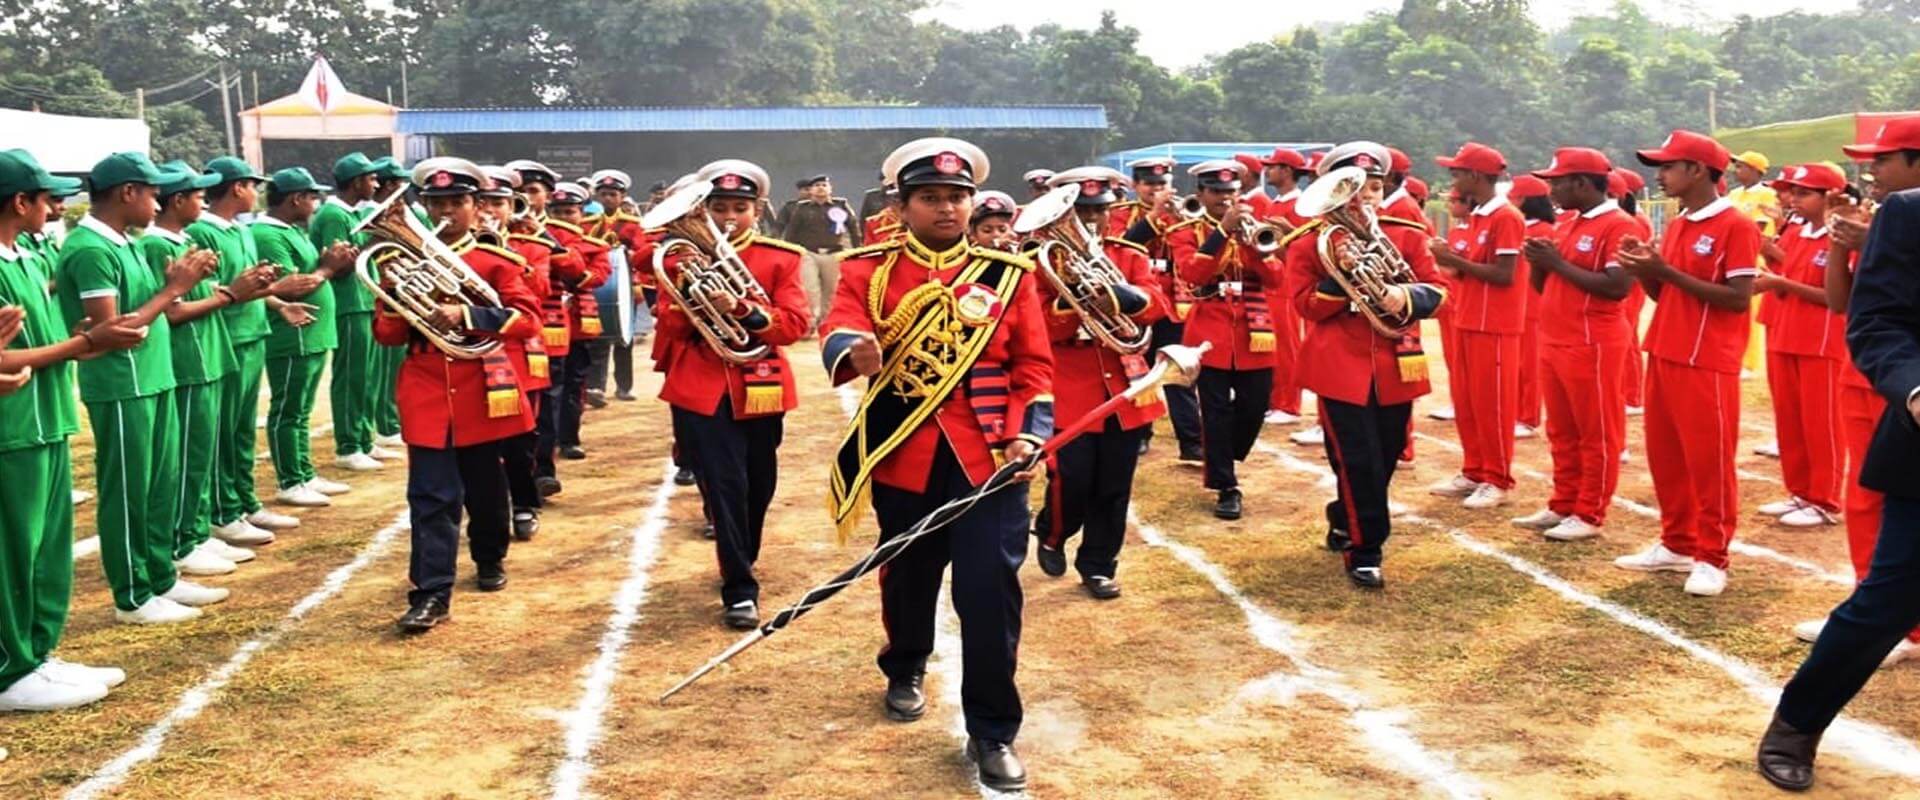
x: 20, y: 172
x: 296, y: 179
x: 120, y: 168
x: 389, y: 168
x: 182, y: 177
x: 352, y: 165
x: 232, y: 169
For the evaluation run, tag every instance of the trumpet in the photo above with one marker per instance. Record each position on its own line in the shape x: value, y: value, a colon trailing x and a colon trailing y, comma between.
x: 1356, y: 253
x: 708, y: 266
x: 1263, y: 237
x: 408, y: 268
x: 1068, y: 254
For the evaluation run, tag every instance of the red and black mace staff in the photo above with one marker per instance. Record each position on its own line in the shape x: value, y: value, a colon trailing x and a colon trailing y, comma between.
x: 1176, y: 364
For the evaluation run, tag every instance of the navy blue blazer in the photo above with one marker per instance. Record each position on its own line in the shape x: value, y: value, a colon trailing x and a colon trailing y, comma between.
x: 1883, y: 333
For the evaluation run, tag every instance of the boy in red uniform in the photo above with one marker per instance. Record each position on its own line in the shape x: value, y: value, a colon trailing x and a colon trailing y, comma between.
x: 729, y: 417
x: 1366, y: 382
x: 991, y: 225
x: 568, y: 226
x: 1806, y: 353
x: 455, y: 412
x: 1146, y: 223
x: 1489, y: 313
x: 1583, y: 341
x: 1282, y: 171
x: 1530, y: 194
x: 1090, y: 481
x: 1624, y: 187
x: 503, y: 230
x: 1702, y: 279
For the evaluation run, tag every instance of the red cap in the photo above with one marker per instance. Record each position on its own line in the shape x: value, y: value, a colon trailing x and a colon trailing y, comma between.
x: 1398, y: 161
x: 1576, y: 161
x: 1629, y: 179
x: 1821, y: 177
x: 1526, y: 186
x: 1475, y: 157
x: 1902, y: 133
x: 1617, y: 185
x: 1313, y: 161
x: 1250, y: 161
x: 1282, y: 157
x: 1417, y: 189
x: 1684, y: 145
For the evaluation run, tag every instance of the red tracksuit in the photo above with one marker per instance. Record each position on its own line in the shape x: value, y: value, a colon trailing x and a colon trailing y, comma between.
x: 1583, y: 343
x: 1634, y: 384
x: 1487, y: 321
x: 1286, y: 351
x: 1530, y: 399
x: 1806, y: 354
x: 1693, y: 384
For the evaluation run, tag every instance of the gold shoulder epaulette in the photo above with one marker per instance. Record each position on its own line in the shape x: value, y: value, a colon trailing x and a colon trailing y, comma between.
x: 870, y: 249
x: 1183, y: 224
x: 1127, y: 244
x: 779, y: 244
x: 1305, y: 228
x: 502, y: 252
x: 565, y: 226
x: 1014, y: 259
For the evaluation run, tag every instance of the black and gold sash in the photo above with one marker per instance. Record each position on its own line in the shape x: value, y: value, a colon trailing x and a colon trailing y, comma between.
x: 930, y: 343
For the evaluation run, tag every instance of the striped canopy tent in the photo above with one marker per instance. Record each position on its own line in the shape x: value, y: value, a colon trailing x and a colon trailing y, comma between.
x: 322, y: 109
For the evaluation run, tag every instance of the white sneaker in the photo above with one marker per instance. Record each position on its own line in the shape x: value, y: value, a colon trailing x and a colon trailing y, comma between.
x: 392, y: 440
x: 271, y: 521
x: 1770, y: 449
x: 157, y: 611
x: 1441, y: 413
x: 1456, y: 486
x: 1522, y: 431
x: 1809, y: 631
x: 1309, y: 436
x: 387, y: 455
x: 203, y: 562
x: 1655, y: 559
x: 188, y: 593
x: 1625, y: 455
x: 1906, y: 649
x: 1808, y: 516
x: 38, y: 692
x: 1538, y: 520
x: 1486, y: 496
x: 1781, y: 508
x: 81, y: 496
x: 237, y: 555
x: 358, y: 462
x: 1572, y: 529
x: 69, y: 672
x: 327, y: 487
x: 241, y: 532
x: 1635, y: 411
x: 302, y: 495
x: 1706, y: 580
x: 1278, y: 417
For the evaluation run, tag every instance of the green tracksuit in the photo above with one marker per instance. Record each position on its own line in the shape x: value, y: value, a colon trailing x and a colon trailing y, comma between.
x: 356, y: 365
x: 237, y: 399
x: 295, y: 355
x: 202, y: 356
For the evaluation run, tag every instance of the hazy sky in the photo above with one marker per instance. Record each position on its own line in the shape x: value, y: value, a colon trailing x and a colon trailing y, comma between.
x: 1178, y: 33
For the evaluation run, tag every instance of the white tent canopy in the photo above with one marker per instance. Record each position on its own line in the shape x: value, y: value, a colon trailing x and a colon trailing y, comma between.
x: 322, y: 109
x: 70, y: 144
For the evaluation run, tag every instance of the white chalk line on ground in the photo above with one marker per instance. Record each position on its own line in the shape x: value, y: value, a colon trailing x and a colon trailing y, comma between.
x: 202, y: 694
x: 1866, y: 743
x: 1738, y: 546
x: 1384, y: 730
x: 585, y: 722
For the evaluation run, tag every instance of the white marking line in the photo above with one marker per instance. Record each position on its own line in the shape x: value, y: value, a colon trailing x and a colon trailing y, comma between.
x: 1382, y: 729
x: 86, y: 547
x: 196, y: 699
x: 583, y: 723
x: 1737, y: 546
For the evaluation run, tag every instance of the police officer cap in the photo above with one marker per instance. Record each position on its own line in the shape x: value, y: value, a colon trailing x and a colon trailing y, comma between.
x: 569, y: 193
x: 611, y: 179
x: 1220, y: 174
x: 936, y: 160
x: 1155, y: 170
x: 505, y: 181
x: 533, y: 171
x: 1095, y: 184
x: 992, y: 204
x: 1038, y: 176
x: 1373, y: 157
x: 733, y: 177
x: 446, y: 175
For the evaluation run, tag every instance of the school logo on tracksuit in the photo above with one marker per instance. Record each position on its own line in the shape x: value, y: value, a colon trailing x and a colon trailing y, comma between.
x: 1703, y: 245
x: 1585, y: 245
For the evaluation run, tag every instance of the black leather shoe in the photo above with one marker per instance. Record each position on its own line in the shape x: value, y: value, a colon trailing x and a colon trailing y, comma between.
x: 625, y: 397
x: 596, y: 398
x: 1101, y: 587
x: 1338, y: 541
x: 1191, y: 453
x: 1052, y: 561
x: 1786, y: 756
x: 905, y: 701
x: 572, y: 452
x: 706, y: 531
x: 1367, y: 577
x: 683, y: 477
x: 1145, y: 445
x: 1228, y: 506
x: 525, y: 524
x: 546, y: 486
x: 741, y: 616
x: 423, y: 615
x: 493, y: 576
x: 1000, y: 769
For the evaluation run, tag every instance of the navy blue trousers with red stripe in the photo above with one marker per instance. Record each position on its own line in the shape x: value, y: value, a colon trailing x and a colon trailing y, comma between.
x: 1089, y: 486
x: 986, y: 546
x: 1363, y: 447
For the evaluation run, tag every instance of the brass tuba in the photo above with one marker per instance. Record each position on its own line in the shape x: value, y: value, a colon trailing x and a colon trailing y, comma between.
x: 1355, y: 252
x: 420, y: 273
x: 707, y: 265
x: 1070, y: 258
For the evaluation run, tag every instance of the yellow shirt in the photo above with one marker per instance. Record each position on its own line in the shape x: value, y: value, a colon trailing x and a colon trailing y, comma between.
x: 1754, y: 201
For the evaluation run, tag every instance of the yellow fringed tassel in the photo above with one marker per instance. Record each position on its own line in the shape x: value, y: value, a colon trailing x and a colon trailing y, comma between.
x: 537, y: 364
x: 1260, y: 341
x: 503, y: 402
x: 1145, y: 399
x: 770, y: 399
x: 1181, y: 310
x: 553, y: 337
x: 843, y: 527
x: 590, y: 326
x: 1413, y: 368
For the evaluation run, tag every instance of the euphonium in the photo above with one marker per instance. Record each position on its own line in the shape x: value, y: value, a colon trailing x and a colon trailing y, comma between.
x: 1355, y: 252
x: 707, y: 265
x: 1069, y: 257
x: 414, y: 273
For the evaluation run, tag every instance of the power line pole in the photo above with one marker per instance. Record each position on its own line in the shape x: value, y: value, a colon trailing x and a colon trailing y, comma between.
x: 226, y: 103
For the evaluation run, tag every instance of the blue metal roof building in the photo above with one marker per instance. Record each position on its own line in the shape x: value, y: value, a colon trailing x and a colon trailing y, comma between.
x: 449, y: 121
x: 1187, y: 154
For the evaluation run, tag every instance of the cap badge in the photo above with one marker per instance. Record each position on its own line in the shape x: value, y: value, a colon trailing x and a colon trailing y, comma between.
x: 947, y: 163
x: 1228, y: 176
x: 1159, y: 169
x: 729, y: 181
x: 1091, y: 188
x: 975, y: 304
x: 1363, y: 161
x: 441, y: 180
